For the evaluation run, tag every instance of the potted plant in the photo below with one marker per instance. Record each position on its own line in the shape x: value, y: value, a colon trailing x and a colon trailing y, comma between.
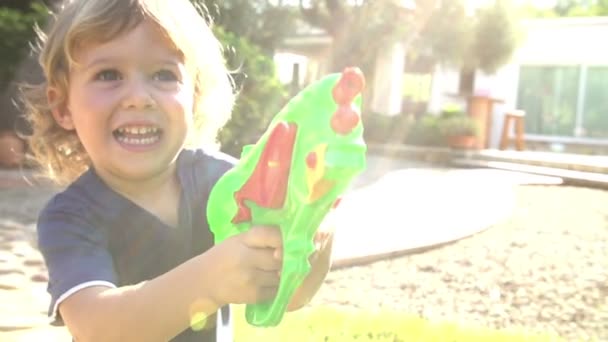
x: 460, y: 131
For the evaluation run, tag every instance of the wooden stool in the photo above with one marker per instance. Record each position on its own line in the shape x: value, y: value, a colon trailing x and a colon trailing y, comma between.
x: 516, y: 116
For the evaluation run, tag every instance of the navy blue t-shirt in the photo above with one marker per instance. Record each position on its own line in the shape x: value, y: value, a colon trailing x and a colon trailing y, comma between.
x: 90, y: 235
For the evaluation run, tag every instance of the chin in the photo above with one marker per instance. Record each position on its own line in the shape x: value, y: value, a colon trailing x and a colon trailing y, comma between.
x: 141, y: 171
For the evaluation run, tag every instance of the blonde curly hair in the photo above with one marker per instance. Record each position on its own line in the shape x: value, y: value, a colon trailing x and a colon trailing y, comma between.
x: 59, y: 151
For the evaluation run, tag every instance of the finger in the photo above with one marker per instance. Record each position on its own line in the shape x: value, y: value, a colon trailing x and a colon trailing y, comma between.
x: 323, y: 241
x: 264, y: 259
x: 264, y: 237
x: 320, y: 235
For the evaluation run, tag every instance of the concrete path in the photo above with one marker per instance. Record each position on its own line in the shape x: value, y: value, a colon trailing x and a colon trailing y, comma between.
x: 396, y: 207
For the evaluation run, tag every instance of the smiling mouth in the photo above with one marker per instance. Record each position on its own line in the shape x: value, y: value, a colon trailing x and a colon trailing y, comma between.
x: 138, y: 135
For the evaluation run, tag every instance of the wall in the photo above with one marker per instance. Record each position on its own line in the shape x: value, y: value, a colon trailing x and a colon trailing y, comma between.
x: 561, y: 41
x: 564, y: 41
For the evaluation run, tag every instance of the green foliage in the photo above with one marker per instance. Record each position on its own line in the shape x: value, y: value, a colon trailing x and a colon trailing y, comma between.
x: 581, y: 8
x: 455, y: 122
x: 359, y: 29
x: 261, y: 22
x: 496, y: 37
x: 17, y: 31
x: 449, y: 40
x: 260, y: 92
x: 329, y: 324
x: 460, y: 125
x: 443, y: 29
x: 485, y: 39
x: 433, y: 130
x: 380, y: 128
x: 426, y: 132
x: 568, y: 8
x: 250, y: 30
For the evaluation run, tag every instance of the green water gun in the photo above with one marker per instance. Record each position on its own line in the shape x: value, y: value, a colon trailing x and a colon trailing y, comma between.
x: 292, y: 177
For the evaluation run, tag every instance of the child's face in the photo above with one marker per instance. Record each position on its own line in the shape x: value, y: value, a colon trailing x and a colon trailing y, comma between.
x: 130, y: 101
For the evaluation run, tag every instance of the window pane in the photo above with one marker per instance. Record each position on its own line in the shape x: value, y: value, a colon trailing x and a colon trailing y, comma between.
x: 548, y: 94
x: 595, y: 117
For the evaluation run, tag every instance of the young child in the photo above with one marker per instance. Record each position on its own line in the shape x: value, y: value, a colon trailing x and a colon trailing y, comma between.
x: 130, y: 84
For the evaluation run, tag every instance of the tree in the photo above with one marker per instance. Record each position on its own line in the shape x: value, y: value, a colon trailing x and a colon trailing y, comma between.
x: 25, y: 5
x: 260, y: 93
x: 565, y: 8
x: 359, y: 29
x: 569, y: 8
x: 249, y: 32
x: 447, y: 41
x: 484, y: 39
x: 16, y: 64
x: 441, y: 30
x: 261, y: 22
x: 495, y: 37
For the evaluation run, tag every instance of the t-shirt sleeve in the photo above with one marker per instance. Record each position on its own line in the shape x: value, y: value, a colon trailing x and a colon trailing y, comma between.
x: 207, y: 168
x: 75, y: 253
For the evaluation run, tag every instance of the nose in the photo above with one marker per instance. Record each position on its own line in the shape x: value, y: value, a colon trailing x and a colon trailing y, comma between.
x: 137, y: 95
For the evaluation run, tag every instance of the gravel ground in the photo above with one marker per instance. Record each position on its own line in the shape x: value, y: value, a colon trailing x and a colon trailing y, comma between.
x: 545, y: 269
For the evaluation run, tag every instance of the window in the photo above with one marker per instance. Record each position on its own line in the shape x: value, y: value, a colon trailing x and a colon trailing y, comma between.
x: 549, y: 95
x: 558, y: 98
x: 595, y: 108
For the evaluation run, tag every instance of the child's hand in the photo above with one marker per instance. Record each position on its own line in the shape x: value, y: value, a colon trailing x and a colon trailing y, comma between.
x: 320, y: 240
x: 246, y: 267
x: 320, y: 261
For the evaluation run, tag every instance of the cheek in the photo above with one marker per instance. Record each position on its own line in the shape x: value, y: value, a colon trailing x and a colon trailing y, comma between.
x: 183, y: 102
x: 89, y: 100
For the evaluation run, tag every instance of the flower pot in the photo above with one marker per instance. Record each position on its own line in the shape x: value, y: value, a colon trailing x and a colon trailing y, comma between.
x: 462, y: 141
x: 12, y: 149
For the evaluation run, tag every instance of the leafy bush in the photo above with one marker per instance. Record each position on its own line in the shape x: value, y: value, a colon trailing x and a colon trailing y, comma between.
x: 329, y: 324
x: 380, y: 128
x: 458, y: 126
x: 455, y: 122
x: 426, y: 132
x: 17, y: 31
x: 261, y: 94
x: 451, y: 110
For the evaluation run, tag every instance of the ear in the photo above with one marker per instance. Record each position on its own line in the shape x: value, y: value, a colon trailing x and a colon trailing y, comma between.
x: 59, y: 110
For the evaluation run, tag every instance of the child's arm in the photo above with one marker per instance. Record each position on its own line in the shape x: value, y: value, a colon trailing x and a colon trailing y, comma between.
x: 155, y: 310
x: 242, y: 269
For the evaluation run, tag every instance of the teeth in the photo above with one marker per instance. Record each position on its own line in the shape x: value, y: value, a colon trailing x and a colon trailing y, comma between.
x: 138, y: 130
x: 137, y: 141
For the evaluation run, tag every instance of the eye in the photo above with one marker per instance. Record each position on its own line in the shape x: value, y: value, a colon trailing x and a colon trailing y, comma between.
x: 108, y: 75
x: 165, y: 75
